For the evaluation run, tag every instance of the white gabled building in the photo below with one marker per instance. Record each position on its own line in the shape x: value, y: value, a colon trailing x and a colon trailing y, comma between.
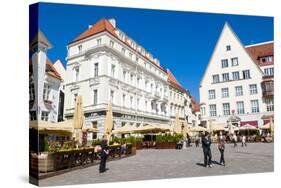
x: 45, y: 82
x: 232, y: 83
x: 105, y: 66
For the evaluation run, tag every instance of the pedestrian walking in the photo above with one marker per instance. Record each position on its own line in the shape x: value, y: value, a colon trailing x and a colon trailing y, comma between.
x: 234, y: 139
x: 221, y: 147
x: 206, y: 145
x: 103, y: 154
x: 244, y: 144
x: 197, y: 140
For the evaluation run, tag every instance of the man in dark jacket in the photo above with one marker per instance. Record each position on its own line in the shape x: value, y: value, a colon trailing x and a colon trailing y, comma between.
x: 206, y: 145
x: 104, y: 153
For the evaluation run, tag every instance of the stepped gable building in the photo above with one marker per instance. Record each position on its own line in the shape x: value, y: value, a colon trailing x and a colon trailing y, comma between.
x: 238, y: 80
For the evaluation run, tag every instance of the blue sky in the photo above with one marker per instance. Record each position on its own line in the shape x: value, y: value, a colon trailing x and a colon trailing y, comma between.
x: 182, y: 41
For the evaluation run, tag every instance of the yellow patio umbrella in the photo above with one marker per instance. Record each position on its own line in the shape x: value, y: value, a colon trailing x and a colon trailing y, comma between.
x: 177, y: 128
x: 152, y: 128
x: 217, y: 127
x: 78, y: 119
x: 198, y: 129
x: 64, y: 128
x: 108, y: 122
x: 125, y: 129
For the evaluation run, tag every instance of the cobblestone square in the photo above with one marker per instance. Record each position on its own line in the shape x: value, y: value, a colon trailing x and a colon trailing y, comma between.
x: 160, y: 164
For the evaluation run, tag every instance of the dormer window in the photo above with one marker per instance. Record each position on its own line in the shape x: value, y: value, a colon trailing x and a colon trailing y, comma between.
x: 228, y: 47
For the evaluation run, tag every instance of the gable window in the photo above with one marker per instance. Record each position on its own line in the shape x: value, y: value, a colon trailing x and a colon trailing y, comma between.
x: 239, y: 91
x: 212, y: 94
x: 253, y: 89
x: 228, y: 47
x: 266, y: 59
x: 240, y: 107
x: 235, y: 75
x: 98, y: 42
x: 95, y: 97
x: 234, y: 61
x: 255, y: 106
x: 213, y: 110
x: 246, y: 74
x: 224, y: 63
x: 225, y: 77
x: 216, y: 78
x: 96, y: 70
x: 224, y: 92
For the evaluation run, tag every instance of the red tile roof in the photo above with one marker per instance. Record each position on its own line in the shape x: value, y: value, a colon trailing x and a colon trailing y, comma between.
x: 194, y: 105
x: 53, y: 72
x: 261, y: 50
x: 105, y: 25
x: 100, y: 26
x: 173, y: 81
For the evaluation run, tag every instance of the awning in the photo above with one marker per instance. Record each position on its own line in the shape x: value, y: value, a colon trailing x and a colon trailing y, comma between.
x: 60, y: 128
x: 248, y: 127
x: 125, y: 129
x: 252, y: 123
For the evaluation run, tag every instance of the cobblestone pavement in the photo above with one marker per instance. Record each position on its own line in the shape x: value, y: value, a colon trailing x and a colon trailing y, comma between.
x: 160, y: 164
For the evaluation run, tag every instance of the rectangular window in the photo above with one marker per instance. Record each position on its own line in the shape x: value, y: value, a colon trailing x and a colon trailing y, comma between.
x: 226, y: 109
x: 255, y: 106
x: 76, y: 74
x: 246, y: 74
x: 216, y: 78
x: 112, y: 70
x: 131, y: 55
x: 235, y: 75
x: 269, y: 71
x: 123, y: 50
x: 124, y: 100
x: 225, y: 77
x: 131, y: 102
x: 44, y: 116
x: 96, y: 70
x: 239, y: 91
x: 31, y: 92
x: 253, y: 89
x: 138, y: 82
x: 138, y: 103
x: 132, y: 79
x: 46, y: 92
x: 234, y: 61
x: 213, y: 110
x: 269, y: 105
x: 32, y: 115
x: 240, y: 107
x: 203, y: 111
x: 224, y: 63
x: 95, y: 97
x: 111, y: 43
x: 98, y: 42
x: 212, y: 94
x: 145, y: 105
x: 80, y: 49
x: 228, y: 47
x: 224, y: 93
x: 112, y: 96
x: 124, y: 76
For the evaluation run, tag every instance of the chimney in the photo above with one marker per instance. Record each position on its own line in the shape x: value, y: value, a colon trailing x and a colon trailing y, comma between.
x: 113, y: 22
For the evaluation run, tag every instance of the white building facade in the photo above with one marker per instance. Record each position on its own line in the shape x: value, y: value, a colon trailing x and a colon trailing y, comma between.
x: 45, y: 82
x: 106, y: 66
x: 232, y: 83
